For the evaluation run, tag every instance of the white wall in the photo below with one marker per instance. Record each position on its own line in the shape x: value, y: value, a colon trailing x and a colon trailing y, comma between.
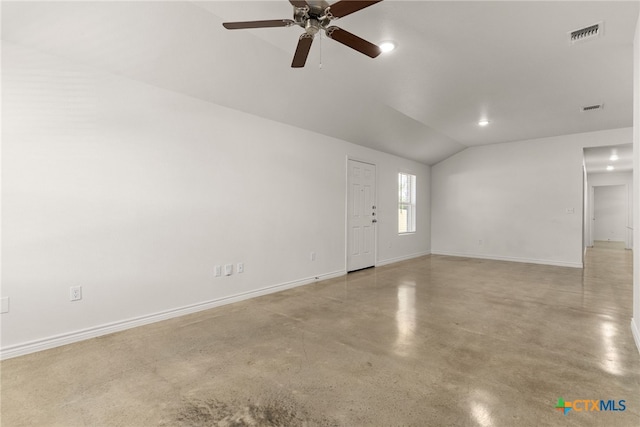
x: 618, y: 181
x: 510, y: 201
x: 635, y: 322
x: 135, y: 193
x: 586, y: 213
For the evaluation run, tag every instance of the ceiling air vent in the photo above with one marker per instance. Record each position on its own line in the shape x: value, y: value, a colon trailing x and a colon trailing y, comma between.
x: 586, y: 33
x: 594, y: 107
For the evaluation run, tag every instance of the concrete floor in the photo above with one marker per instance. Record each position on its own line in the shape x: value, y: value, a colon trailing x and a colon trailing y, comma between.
x: 435, y: 341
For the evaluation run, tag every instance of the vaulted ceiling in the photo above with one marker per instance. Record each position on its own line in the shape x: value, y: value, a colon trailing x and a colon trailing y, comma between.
x: 456, y: 62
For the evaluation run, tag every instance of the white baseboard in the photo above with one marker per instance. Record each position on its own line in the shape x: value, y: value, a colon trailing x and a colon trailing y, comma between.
x: 109, y: 328
x: 635, y: 332
x: 402, y: 258
x: 511, y: 259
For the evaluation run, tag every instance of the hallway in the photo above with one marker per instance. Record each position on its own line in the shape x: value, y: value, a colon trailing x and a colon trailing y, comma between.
x: 438, y: 341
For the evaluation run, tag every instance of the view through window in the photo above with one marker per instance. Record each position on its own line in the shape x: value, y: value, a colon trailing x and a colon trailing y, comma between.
x: 406, y: 203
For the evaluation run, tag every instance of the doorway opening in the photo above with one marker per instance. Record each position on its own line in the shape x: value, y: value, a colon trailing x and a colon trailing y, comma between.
x: 608, y: 197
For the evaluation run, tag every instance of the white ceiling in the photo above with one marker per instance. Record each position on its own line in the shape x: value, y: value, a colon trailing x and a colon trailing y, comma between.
x: 456, y: 62
x: 596, y: 159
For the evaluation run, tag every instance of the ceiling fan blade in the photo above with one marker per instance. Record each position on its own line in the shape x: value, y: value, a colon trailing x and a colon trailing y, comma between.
x: 353, y: 41
x: 346, y: 7
x: 258, y: 24
x: 298, y: 3
x: 302, y: 51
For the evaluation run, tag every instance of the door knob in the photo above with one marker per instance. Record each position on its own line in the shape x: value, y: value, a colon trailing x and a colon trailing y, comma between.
x: 374, y: 221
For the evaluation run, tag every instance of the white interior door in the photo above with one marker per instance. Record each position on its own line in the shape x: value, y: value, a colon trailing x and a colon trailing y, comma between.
x: 361, y: 215
x: 610, y: 213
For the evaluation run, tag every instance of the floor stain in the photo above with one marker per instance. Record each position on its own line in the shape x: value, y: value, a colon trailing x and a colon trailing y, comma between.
x: 268, y: 413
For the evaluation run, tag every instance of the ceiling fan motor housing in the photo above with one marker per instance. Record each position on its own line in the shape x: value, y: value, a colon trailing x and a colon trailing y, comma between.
x: 312, y: 17
x: 317, y: 8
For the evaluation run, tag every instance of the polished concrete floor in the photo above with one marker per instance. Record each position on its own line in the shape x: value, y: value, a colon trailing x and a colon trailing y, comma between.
x: 435, y: 341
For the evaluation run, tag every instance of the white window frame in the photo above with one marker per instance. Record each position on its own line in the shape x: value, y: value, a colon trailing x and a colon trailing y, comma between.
x: 407, y: 203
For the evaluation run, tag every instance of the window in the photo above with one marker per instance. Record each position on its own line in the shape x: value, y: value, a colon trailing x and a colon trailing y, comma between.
x: 406, y: 203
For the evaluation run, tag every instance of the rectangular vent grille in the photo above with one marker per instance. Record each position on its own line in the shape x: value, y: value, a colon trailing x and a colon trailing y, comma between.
x: 592, y: 108
x: 587, y: 33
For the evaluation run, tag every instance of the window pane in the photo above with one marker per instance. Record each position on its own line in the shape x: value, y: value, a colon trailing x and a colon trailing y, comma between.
x: 403, y: 219
x: 406, y: 203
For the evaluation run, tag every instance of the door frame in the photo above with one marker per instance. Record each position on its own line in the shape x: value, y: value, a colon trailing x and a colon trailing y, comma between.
x: 346, y: 211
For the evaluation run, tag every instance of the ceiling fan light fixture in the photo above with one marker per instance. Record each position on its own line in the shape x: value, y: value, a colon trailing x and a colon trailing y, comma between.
x: 387, y: 46
x: 312, y: 26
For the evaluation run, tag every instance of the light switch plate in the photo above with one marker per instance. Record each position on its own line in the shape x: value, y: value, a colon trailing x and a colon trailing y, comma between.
x: 4, y: 305
x: 228, y: 269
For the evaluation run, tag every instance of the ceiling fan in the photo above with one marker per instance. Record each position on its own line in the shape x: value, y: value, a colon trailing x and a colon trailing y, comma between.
x: 313, y: 16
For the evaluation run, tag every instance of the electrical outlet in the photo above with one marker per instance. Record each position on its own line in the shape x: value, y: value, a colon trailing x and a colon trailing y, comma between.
x: 228, y: 269
x: 240, y: 268
x: 75, y: 293
x: 217, y: 271
x: 5, y: 305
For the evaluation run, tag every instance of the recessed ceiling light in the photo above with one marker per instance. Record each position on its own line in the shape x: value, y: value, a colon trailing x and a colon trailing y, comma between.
x: 483, y: 122
x: 387, y: 46
x: 614, y: 157
x: 610, y: 168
